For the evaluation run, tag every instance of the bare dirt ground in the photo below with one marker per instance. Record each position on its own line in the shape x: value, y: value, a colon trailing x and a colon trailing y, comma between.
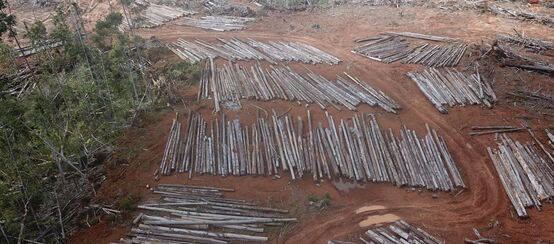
x: 450, y: 216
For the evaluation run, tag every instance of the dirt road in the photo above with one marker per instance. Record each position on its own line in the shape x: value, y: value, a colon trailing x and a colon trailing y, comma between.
x: 450, y: 216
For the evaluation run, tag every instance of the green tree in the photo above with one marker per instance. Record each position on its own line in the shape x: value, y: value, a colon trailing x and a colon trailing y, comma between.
x: 37, y: 33
x: 106, y: 29
x: 80, y: 105
x: 7, y: 22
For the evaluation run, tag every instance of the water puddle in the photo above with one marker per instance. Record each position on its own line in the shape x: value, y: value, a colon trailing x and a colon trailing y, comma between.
x: 378, y: 219
x: 370, y: 208
x: 345, y: 185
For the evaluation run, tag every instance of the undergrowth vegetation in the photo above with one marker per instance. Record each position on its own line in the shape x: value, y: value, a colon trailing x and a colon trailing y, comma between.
x: 83, y: 93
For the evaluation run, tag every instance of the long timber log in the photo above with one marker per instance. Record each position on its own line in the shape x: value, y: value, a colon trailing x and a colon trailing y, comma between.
x: 357, y: 150
x: 199, y: 214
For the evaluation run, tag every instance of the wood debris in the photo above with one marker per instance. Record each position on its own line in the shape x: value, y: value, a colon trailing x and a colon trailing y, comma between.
x: 437, y: 56
x: 551, y: 137
x: 485, y: 130
x: 451, y: 87
x: 357, y: 150
x: 18, y: 83
x: 399, y: 232
x: 234, y: 82
x: 422, y: 36
x: 218, y: 23
x: 529, y: 43
x: 248, y: 49
x: 533, y: 100
x: 480, y: 239
x: 369, y: 38
x: 198, y: 214
x: 509, y: 58
x: 527, y: 176
x: 386, y: 50
x: 521, y: 15
x: 154, y: 15
x: 339, y: 242
x: 27, y: 50
x: 393, y: 48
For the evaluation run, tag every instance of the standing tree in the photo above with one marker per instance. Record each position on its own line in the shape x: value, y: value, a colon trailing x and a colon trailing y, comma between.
x: 126, y: 4
x: 7, y: 23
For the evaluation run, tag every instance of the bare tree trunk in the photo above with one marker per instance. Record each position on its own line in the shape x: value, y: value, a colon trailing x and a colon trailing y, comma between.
x: 126, y: 13
x: 22, y: 224
x: 4, y: 233
x: 60, y: 215
x: 14, y: 35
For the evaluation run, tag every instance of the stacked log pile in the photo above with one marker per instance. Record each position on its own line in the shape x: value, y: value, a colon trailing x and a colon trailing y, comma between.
x: 154, y: 15
x: 450, y: 87
x: 234, y: 82
x: 391, y: 48
x: 400, y: 232
x: 422, y: 36
x: 197, y: 214
x: 248, y: 49
x: 526, y: 174
x: 169, y: 158
x: 437, y: 56
x: 27, y: 50
x: 359, y: 150
x: 386, y: 50
x: 551, y: 137
x: 485, y: 130
x: 218, y: 23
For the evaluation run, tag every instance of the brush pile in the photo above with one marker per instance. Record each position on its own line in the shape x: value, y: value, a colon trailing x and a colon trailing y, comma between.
x: 509, y: 58
x: 197, y: 214
x: 218, y: 23
x: 540, y: 101
x: 234, y: 82
x: 532, y: 44
x: 359, y: 150
x: 450, y: 87
x: 527, y: 175
x: 248, y: 49
x: 400, y: 232
x: 521, y: 15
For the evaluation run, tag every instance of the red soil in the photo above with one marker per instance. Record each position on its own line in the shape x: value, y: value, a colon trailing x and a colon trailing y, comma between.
x: 450, y: 216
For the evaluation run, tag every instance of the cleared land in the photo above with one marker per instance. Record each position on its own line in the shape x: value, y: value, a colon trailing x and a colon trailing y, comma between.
x: 447, y: 216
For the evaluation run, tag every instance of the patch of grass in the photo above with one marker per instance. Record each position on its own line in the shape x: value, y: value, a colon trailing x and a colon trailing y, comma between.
x: 322, y: 3
x: 112, y: 218
x: 200, y: 209
x: 184, y: 71
x: 394, y: 23
x: 326, y: 199
x: 312, y: 198
x: 126, y: 204
x: 262, y: 12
